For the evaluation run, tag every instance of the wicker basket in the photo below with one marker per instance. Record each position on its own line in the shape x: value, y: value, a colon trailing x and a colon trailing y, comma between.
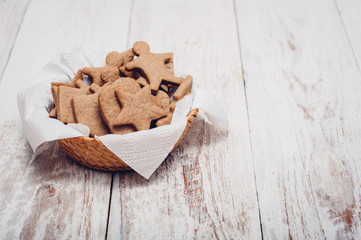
x: 92, y: 153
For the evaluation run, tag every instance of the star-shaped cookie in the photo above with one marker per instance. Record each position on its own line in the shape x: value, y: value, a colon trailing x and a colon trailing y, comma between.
x: 138, y: 109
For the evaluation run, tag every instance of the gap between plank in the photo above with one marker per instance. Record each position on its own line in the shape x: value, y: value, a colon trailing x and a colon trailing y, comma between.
x: 250, y: 136
x: 16, y: 37
x: 130, y: 22
x: 113, y: 174
x: 249, y: 126
x: 109, y: 205
x: 346, y: 33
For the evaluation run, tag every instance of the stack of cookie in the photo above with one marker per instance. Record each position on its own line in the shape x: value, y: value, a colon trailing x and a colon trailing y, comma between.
x: 136, y: 90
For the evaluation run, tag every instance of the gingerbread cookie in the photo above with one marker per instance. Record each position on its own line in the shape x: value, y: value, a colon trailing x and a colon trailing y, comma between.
x: 86, y: 111
x: 169, y: 64
x: 63, y: 102
x: 52, y: 113
x: 164, y: 87
x: 163, y: 100
x: 142, y: 81
x: 138, y: 109
x: 134, y: 74
x: 167, y: 119
x: 152, y: 66
x: 122, y: 105
x: 125, y: 73
x: 95, y: 73
x: 54, y: 90
x: 110, y: 72
x: 127, y: 55
x: 184, y: 88
x: 78, y: 75
x: 109, y: 105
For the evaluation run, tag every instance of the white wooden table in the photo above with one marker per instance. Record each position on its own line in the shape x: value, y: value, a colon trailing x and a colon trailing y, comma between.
x: 287, y: 73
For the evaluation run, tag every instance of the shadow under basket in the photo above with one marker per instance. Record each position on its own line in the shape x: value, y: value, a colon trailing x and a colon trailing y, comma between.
x: 91, y: 152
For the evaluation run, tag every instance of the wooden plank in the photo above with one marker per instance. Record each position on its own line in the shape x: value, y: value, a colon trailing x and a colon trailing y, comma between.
x: 49, y: 196
x: 349, y: 11
x: 302, y: 87
x: 205, y: 189
x: 11, y: 16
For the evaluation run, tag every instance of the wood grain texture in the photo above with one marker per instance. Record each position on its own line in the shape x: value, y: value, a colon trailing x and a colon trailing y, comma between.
x: 303, y: 92
x: 205, y: 189
x: 49, y: 196
x: 350, y: 13
x: 11, y: 16
x: 299, y: 152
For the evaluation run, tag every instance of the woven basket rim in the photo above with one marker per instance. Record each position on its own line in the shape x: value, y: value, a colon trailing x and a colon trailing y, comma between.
x: 190, y: 117
x: 110, y: 162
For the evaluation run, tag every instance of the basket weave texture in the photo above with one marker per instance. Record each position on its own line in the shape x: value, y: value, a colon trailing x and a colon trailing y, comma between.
x: 91, y: 152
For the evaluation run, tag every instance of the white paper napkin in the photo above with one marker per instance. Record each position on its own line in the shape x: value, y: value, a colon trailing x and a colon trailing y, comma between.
x: 143, y: 151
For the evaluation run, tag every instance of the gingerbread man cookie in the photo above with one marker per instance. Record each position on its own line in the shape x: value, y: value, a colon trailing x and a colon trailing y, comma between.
x: 131, y: 74
x: 143, y: 82
x: 153, y: 66
x: 110, y: 72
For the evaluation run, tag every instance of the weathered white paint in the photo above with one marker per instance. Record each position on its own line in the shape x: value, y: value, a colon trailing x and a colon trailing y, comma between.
x: 350, y: 13
x: 11, y: 15
x: 303, y: 92
x: 205, y: 189
x: 303, y: 89
x: 50, y: 196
